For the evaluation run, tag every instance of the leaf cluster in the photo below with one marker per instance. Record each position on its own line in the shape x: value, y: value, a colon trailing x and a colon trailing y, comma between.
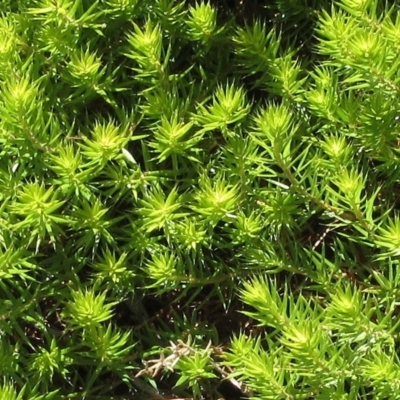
x: 193, y: 192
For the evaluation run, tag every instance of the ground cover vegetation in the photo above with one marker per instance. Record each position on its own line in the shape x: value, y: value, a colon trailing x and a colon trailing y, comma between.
x: 199, y: 199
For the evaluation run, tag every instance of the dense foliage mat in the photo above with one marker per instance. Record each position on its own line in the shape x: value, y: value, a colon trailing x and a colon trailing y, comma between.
x: 199, y: 199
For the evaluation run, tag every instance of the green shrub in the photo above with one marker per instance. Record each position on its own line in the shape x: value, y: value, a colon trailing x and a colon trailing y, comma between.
x: 199, y: 192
